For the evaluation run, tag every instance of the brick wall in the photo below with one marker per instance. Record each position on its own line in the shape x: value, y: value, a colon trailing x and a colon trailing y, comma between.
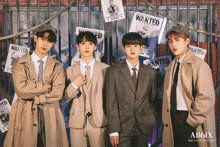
x: 95, y: 3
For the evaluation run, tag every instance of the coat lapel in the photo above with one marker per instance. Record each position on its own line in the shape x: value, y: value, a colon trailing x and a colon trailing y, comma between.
x: 142, y: 74
x: 49, y: 68
x: 169, y: 74
x: 125, y: 70
x: 75, y: 71
x: 96, y: 74
x: 27, y: 58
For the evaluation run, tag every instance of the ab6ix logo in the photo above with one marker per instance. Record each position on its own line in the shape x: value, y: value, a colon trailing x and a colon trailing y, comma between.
x: 201, y: 135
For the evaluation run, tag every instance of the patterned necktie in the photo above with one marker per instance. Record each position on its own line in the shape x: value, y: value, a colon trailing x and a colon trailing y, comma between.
x: 87, y: 73
x: 173, y: 90
x: 40, y: 74
x: 134, y: 77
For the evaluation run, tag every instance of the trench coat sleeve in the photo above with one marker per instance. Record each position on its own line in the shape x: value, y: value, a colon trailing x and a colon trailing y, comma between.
x: 111, y: 102
x: 58, y: 83
x: 70, y: 91
x: 24, y: 87
x: 205, y: 97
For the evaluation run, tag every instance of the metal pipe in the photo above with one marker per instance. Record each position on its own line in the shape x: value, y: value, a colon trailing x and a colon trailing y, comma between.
x: 59, y: 35
x: 8, y: 43
x: 116, y: 61
x: 18, y: 20
x: 38, y: 11
x: 157, y: 47
x: 99, y: 15
x: 136, y: 3
x: 167, y: 12
x: 35, y: 27
x: 127, y: 16
x: 198, y: 20
x: 218, y: 79
x: 108, y: 44
x: 48, y: 15
x: 208, y: 37
x: 69, y: 34
x: 79, y: 14
x: 188, y: 11
x: 157, y: 6
x: 28, y: 20
x: 89, y: 15
x: 147, y: 8
x: 180, y: 23
x: 178, y: 5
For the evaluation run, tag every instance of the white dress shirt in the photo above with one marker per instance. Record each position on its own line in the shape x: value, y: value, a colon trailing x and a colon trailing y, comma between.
x: 181, y: 104
x: 83, y: 69
x: 130, y: 68
x: 131, y: 72
x: 35, y: 59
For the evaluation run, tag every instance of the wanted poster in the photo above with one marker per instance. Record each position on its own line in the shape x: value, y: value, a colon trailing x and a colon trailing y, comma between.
x: 160, y: 64
x: 99, y: 53
x: 15, y: 52
x: 199, y: 52
x: 112, y: 10
x: 5, y: 110
x: 151, y: 28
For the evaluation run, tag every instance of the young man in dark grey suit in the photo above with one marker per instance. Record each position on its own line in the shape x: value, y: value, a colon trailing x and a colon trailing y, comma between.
x: 131, y: 97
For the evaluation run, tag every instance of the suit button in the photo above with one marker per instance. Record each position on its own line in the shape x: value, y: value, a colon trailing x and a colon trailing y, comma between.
x: 167, y: 110
x: 166, y: 125
x: 35, y: 125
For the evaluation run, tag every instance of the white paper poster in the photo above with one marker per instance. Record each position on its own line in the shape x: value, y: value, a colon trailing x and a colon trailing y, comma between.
x: 112, y: 10
x: 15, y: 52
x: 199, y: 52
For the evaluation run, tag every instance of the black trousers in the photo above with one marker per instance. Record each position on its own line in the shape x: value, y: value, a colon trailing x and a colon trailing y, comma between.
x: 182, y: 131
x: 135, y: 139
x: 41, y: 137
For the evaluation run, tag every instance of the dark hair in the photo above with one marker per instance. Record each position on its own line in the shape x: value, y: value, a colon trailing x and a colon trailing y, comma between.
x: 132, y: 38
x: 88, y: 36
x: 51, y: 38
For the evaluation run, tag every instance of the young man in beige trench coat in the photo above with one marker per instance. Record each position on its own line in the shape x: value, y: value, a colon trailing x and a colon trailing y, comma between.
x: 36, y: 119
x: 188, y: 96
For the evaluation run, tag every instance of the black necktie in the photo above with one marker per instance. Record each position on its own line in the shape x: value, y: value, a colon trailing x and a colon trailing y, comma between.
x: 134, y: 77
x: 173, y: 90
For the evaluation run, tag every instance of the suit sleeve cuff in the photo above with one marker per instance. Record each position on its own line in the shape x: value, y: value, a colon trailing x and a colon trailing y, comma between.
x: 40, y: 100
x: 75, y: 87
x: 40, y: 85
x: 114, y: 134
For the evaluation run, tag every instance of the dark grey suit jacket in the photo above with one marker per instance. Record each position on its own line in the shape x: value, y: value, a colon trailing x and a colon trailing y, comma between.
x: 125, y: 104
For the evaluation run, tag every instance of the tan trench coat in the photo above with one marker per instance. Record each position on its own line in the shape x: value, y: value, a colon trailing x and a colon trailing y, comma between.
x: 194, y: 73
x: 23, y: 123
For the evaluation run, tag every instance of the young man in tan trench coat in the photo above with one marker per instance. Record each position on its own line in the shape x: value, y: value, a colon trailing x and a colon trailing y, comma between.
x: 85, y: 85
x: 36, y: 119
x: 188, y: 96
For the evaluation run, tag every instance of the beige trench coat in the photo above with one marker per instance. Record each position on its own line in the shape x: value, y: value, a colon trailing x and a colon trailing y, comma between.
x: 23, y: 123
x: 195, y: 73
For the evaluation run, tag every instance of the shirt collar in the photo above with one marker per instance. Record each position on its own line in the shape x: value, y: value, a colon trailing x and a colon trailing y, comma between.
x: 181, y: 59
x: 35, y: 58
x: 130, y: 66
x: 83, y: 64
